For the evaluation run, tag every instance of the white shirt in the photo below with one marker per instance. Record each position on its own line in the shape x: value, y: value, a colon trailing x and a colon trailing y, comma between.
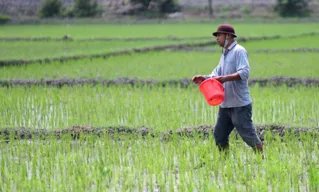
x: 235, y: 60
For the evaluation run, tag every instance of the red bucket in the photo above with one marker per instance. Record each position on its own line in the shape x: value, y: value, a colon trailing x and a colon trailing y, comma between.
x: 213, y: 91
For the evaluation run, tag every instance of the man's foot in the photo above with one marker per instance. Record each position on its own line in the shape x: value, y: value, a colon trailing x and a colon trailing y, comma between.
x: 259, y: 148
x: 223, y: 148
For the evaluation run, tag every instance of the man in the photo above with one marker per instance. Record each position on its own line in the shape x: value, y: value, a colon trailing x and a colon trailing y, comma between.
x: 236, y: 110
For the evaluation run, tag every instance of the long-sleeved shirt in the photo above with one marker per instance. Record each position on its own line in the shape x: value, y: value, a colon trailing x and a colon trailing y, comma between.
x: 233, y: 60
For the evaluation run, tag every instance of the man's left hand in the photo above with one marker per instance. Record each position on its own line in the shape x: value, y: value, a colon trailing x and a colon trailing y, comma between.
x: 221, y: 79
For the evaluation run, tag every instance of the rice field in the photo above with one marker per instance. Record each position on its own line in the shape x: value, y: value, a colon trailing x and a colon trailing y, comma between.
x: 129, y: 162
x: 152, y: 165
x: 52, y: 49
x: 165, y: 65
x: 154, y: 30
x: 159, y: 108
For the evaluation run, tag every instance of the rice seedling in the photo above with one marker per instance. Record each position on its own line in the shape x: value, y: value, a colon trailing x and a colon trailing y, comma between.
x: 284, y: 43
x: 150, y: 164
x: 165, y: 65
x: 153, y: 30
x: 50, y: 49
x: 159, y: 108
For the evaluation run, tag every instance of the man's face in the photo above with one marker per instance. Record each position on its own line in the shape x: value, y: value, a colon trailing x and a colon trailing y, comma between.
x: 220, y: 38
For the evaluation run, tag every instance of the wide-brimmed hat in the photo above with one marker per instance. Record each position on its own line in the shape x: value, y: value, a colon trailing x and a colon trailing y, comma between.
x: 225, y: 28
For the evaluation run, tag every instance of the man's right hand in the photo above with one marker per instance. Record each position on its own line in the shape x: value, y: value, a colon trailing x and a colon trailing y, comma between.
x: 198, y: 79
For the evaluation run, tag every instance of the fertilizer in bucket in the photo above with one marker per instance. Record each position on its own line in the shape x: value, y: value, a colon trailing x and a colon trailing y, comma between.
x: 213, y: 91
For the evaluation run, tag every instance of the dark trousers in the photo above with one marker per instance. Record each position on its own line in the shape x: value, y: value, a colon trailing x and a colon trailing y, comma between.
x: 240, y: 118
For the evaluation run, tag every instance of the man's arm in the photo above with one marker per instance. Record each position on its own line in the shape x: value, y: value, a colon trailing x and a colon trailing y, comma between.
x: 232, y: 77
x: 242, y: 65
x: 200, y: 78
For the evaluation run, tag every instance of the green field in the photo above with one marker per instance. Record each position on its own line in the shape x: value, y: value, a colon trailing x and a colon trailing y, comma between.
x: 153, y: 30
x: 283, y: 43
x: 51, y: 49
x: 165, y: 65
x: 131, y: 163
x: 150, y: 164
x: 159, y: 108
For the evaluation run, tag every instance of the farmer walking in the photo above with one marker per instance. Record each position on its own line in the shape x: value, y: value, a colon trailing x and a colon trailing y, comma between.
x: 236, y: 110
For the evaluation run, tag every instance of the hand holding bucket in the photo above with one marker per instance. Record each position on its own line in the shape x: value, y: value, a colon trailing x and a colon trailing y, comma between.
x: 213, y: 91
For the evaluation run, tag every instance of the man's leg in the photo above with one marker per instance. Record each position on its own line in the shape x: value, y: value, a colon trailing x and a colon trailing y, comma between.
x: 242, y: 120
x: 223, y: 128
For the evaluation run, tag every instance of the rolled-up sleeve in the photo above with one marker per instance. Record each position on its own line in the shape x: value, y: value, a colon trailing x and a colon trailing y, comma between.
x: 242, y: 65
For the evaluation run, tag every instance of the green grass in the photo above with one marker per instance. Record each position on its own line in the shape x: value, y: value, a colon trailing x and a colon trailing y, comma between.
x: 150, y: 165
x: 159, y: 108
x: 284, y: 43
x: 152, y: 30
x: 166, y: 65
x: 50, y: 49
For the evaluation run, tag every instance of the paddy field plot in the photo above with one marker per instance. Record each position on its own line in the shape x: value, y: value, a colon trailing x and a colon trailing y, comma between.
x: 108, y: 164
x: 159, y: 108
x: 46, y: 49
x: 154, y: 30
x: 165, y: 65
x: 51, y: 49
x: 274, y: 57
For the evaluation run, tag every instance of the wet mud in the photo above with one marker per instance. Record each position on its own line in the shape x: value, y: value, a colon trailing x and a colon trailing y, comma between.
x: 69, y: 38
x: 169, y: 37
x: 272, y: 81
x: 202, y: 131
x: 212, y: 50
